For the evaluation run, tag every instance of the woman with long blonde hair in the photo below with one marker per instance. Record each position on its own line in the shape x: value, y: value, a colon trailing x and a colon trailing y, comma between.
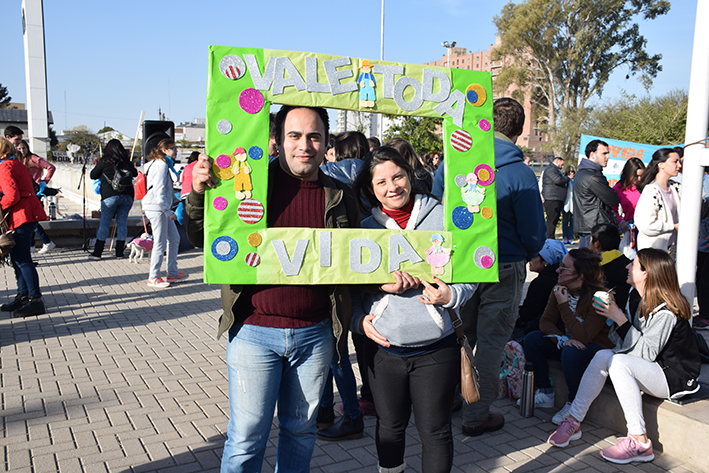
x: 655, y: 352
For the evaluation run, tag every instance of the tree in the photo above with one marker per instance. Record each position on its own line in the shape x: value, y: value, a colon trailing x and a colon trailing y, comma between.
x: 655, y: 121
x: 564, y: 51
x: 422, y: 133
x: 4, y: 98
x: 82, y: 137
x: 105, y: 129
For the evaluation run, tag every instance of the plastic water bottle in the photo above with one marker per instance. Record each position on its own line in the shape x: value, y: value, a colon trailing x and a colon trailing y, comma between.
x: 526, y: 405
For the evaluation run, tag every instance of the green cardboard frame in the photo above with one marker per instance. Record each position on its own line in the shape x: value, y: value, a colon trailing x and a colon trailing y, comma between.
x: 240, y: 249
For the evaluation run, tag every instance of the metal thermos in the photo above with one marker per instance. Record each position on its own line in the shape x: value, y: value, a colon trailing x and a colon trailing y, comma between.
x: 526, y: 405
x: 52, y: 211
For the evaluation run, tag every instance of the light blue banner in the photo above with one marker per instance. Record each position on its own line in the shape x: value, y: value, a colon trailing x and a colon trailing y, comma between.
x: 621, y: 151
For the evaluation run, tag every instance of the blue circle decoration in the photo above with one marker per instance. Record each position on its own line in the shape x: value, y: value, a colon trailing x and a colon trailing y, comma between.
x: 224, y: 248
x: 255, y: 153
x: 472, y: 96
x: 462, y: 218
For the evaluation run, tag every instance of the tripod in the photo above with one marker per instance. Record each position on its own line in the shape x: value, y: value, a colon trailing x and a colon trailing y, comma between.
x: 82, y: 183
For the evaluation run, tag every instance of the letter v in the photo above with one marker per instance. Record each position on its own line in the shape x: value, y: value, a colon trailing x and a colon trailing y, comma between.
x: 290, y: 267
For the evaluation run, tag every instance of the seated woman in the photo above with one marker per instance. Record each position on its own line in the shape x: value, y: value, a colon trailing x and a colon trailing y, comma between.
x: 655, y: 351
x: 417, y: 362
x: 571, y: 330
x: 545, y: 263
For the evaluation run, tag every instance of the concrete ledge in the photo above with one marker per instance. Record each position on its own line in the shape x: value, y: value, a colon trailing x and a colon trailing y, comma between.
x: 679, y: 431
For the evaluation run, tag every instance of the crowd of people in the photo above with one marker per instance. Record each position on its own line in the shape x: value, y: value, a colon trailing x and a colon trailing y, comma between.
x: 287, y: 344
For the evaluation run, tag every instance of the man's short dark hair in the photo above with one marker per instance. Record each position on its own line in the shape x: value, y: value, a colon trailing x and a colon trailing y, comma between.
x: 374, y: 142
x: 607, y: 234
x: 509, y: 116
x: 12, y: 131
x: 271, y: 125
x: 286, y: 109
x: 593, y: 146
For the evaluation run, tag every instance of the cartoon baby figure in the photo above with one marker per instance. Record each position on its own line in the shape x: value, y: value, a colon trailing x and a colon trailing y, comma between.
x: 366, y: 85
x: 242, y: 175
x: 473, y: 194
x: 437, y: 256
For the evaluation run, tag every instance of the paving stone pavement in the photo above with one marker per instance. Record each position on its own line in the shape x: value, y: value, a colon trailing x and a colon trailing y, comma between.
x: 120, y: 377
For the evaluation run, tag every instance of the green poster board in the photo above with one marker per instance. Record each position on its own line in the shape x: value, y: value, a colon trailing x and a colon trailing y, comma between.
x: 240, y: 249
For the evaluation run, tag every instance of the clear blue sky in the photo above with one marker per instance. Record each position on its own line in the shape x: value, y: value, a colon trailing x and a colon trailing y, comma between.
x: 114, y: 59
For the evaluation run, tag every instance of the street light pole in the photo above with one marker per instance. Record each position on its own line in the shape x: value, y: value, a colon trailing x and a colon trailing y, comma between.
x: 448, y: 47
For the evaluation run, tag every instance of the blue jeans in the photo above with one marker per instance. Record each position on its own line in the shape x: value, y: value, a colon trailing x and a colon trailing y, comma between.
x: 346, y: 385
x: 42, y: 234
x: 268, y: 367
x: 118, y: 205
x: 165, y: 234
x: 567, y: 225
x: 25, y: 272
x: 538, y: 349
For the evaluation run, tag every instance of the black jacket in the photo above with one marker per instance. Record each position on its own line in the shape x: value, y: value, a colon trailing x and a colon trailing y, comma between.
x: 105, y: 171
x: 617, y: 279
x: 554, y: 184
x: 537, y: 297
x: 594, y: 199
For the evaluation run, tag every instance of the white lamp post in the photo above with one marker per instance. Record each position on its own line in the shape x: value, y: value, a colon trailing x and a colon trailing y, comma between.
x: 448, y: 47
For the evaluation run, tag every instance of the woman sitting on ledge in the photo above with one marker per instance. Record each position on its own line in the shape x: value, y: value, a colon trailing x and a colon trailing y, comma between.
x: 655, y: 352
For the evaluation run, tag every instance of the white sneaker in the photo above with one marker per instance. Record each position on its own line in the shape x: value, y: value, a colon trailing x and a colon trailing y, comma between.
x: 46, y: 247
x: 541, y: 399
x: 158, y: 282
x: 562, y: 414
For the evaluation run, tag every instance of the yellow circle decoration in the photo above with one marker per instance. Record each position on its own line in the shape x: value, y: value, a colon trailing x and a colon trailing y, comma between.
x: 222, y: 167
x: 254, y: 239
x: 475, y: 95
x: 486, y: 212
x: 483, y: 175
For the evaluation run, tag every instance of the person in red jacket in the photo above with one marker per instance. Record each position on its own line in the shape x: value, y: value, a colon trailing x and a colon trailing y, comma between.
x: 22, y: 210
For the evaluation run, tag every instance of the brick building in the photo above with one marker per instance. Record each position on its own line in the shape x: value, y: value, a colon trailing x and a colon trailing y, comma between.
x: 460, y: 58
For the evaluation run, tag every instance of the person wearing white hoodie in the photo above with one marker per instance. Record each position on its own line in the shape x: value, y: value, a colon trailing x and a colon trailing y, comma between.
x: 157, y: 205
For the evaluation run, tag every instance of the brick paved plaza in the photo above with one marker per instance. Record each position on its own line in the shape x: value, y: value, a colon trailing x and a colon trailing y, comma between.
x: 120, y: 377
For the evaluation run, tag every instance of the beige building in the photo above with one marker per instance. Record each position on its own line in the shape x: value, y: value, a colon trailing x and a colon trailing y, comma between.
x: 460, y: 58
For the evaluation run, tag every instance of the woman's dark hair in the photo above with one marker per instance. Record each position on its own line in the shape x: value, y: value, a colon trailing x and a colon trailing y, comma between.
x: 421, y: 174
x: 351, y: 145
x: 25, y: 159
x: 114, y: 153
x: 363, y: 183
x: 630, y: 170
x: 661, y: 284
x: 568, y: 170
x: 159, y: 151
x: 194, y: 156
x: 587, y: 264
x: 659, y: 156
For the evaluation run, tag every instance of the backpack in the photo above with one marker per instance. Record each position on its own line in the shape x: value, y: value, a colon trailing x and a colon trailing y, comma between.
x: 122, y: 179
x: 141, y: 184
x: 513, y: 361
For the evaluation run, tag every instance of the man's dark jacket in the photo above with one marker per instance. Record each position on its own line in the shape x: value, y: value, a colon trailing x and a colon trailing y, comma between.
x: 341, y: 211
x: 554, y: 184
x: 594, y: 199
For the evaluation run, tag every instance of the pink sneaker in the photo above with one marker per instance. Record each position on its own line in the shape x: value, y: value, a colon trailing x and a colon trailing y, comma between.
x: 628, y: 449
x: 178, y: 278
x: 567, y: 431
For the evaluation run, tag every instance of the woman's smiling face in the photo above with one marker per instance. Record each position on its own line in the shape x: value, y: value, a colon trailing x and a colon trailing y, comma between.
x: 391, y: 185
